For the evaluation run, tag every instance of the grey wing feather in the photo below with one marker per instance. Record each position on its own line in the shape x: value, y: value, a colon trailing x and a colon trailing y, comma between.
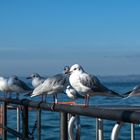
x: 99, y: 87
x: 54, y: 83
x: 59, y: 79
x: 23, y: 85
x: 95, y: 85
x: 92, y: 82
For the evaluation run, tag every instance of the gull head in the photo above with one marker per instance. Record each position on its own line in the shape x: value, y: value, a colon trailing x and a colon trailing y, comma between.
x: 76, y: 68
x: 66, y: 69
x: 14, y: 78
x: 33, y: 76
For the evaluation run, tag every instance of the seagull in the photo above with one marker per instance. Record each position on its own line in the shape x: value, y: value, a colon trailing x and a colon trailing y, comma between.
x: 36, y: 79
x: 87, y: 84
x: 134, y: 92
x: 4, y: 85
x: 53, y: 85
x: 72, y: 93
x: 18, y: 86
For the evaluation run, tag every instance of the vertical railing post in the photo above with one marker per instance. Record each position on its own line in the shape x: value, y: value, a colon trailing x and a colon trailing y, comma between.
x: 1, y: 117
x: 39, y: 124
x: 99, y: 129
x: 25, y: 121
x: 132, y: 131
x: 78, y: 128
x: 4, y: 135
x: 63, y: 126
x: 18, y: 120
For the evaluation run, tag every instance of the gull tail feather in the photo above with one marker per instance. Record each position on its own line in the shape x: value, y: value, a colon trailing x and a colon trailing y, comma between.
x: 127, y: 94
x: 116, y: 94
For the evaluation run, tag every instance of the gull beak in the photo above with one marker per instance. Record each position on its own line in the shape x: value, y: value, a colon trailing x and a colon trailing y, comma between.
x: 68, y: 72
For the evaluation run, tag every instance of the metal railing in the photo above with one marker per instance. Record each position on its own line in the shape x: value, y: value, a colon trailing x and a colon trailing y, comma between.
x: 125, y: 114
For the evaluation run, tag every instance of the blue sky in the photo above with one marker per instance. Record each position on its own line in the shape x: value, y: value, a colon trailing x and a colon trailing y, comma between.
x: 44, y: 36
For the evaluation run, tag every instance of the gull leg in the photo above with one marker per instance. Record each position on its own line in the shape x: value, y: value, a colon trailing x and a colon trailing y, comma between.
x: 86, y: 100
x: 52, y: 107
x: 56, y: 99
x: 42, y: 98
x: 45, y: 96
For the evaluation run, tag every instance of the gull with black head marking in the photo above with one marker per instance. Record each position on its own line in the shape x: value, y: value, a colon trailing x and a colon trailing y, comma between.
x: 87, y: 84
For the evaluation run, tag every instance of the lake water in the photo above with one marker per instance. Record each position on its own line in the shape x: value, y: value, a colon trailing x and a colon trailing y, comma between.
x: 50, y: 120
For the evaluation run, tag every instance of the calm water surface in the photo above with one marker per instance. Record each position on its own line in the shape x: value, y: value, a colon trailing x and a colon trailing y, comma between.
x: 50, y: 120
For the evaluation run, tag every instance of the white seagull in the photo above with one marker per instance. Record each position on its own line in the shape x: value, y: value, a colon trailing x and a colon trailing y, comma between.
x: 53, y: 85
x: 4, y: 86
x: 36, y: 79
x: 18, y: 86
x: 88, y: 85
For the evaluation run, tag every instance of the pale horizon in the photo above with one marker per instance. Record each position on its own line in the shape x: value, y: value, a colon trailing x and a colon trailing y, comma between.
x: 44, y: 36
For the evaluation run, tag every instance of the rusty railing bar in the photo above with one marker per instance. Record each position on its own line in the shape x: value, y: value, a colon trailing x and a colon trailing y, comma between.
x: 108, y: 112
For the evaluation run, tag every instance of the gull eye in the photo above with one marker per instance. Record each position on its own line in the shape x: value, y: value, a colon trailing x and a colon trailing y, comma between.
x: 74, y: 68
x: 66, y: 68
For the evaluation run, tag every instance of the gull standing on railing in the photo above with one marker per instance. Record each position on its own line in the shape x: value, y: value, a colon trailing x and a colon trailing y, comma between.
x: 53, y: 85
x: 18, y: 86
x: 36, y: 79
x: 4, y: 86
x: 88, y: 85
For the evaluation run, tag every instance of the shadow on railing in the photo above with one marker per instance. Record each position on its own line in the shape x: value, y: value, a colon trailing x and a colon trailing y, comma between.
x: 121, y: 114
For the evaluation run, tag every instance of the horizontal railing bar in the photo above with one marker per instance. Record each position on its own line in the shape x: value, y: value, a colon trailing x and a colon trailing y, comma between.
x: 120, y: 107
x: 15, y: 133
x: 104, y: 112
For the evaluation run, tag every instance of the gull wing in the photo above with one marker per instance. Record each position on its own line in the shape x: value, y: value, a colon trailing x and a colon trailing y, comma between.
x: 23, y: 85
x: 93, y: 83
